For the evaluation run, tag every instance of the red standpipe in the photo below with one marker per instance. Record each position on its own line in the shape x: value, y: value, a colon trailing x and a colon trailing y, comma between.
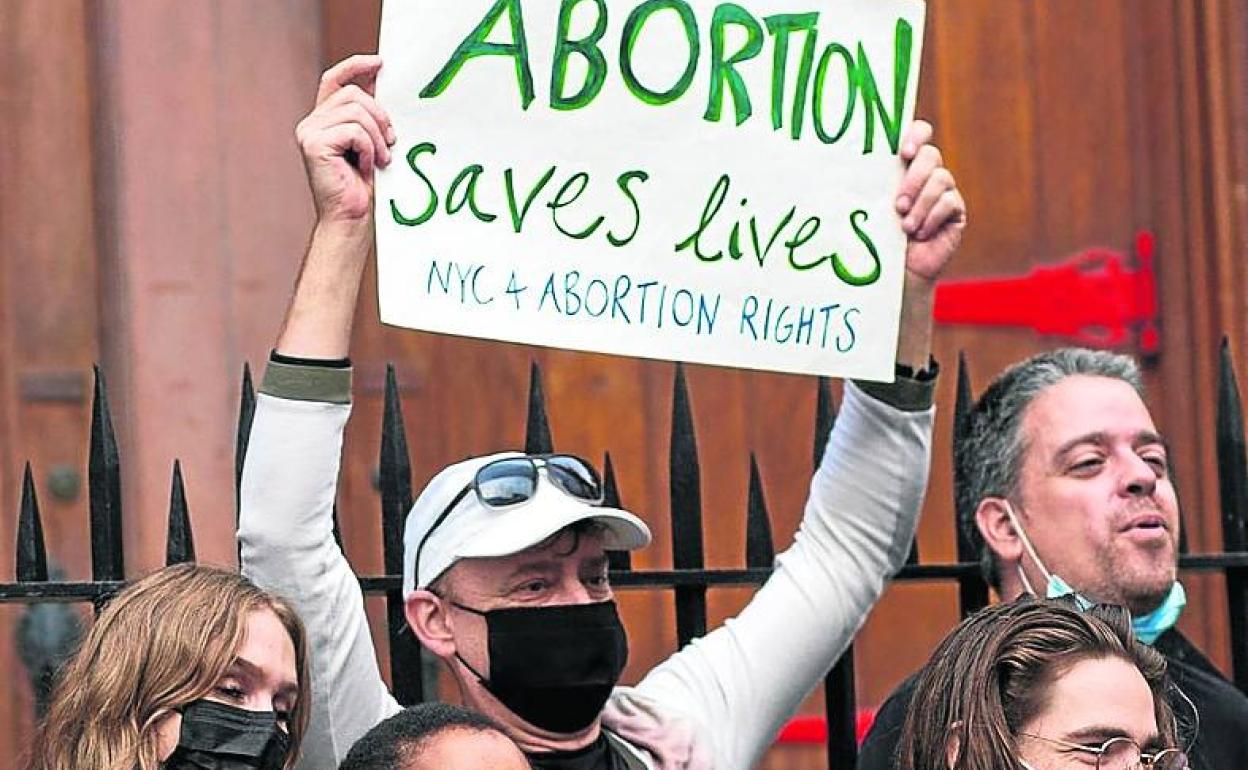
x: 1094, y: 298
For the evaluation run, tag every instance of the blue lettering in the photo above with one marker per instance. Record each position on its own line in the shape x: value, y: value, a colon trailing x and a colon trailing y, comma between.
x: 853, y: 337
x: 676, y: 314
x: 549, y: 291
x: 749, y: 309
x: 617, y: 304
x: 570, y: 280
x: 706, y: 317
x: 443, y: 280
x: 606, y: 299
x: 782, y: 327
x: 805, y: 324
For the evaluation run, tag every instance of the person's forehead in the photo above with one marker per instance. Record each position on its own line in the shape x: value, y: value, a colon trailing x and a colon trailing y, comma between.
x: 553, y: 554
x: 267, y: 648
x: 468, y: 749
x: 1084, y: 405
x: 1108, y: 693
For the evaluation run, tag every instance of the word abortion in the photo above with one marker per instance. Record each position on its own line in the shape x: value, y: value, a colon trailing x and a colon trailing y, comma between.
x: 815, y: 78
x: 631, y: 301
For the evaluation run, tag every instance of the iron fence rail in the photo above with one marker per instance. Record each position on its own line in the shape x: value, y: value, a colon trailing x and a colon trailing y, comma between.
x: 689, y: 580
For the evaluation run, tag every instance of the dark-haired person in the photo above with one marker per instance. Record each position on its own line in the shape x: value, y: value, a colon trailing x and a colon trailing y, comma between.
x: 1064, y: 483
x: 189, y: 668
x: 435, y: 736
x: 1042, y: 684
x: 505, y: 570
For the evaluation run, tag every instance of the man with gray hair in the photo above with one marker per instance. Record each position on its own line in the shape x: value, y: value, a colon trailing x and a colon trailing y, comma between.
x: 1063, y: 483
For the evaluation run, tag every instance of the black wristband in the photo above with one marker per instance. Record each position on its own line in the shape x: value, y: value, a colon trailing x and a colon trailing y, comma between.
x: 926, y: 374
x: 324, y: 363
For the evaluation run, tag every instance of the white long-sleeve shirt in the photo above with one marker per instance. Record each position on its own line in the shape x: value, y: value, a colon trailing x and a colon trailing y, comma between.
x: 718, y: 702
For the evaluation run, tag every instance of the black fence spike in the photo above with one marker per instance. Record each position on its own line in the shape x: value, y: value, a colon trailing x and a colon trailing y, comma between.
x: 395, y: 480
x: 963, y: 403
x: 394, y: 476
x: 246, y: 415
x: 537, y: 438
x: 32, y: 557
x: 1233, y: 489
x: 972, y: 591
x: 840, y: 703
x: 617, y: 561
x: 179, y: 542
x: 686, y: 501
x: 760, y: 550
x: 825, y: 417
x: 104, y: 484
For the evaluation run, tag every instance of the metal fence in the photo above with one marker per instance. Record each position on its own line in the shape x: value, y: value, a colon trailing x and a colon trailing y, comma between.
x: 689, y: 580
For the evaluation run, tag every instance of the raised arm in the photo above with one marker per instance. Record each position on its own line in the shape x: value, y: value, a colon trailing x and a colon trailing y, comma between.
x: 933, y: 215
x: 291, y: 470
x: 738, y: 684
x: 343, y: 140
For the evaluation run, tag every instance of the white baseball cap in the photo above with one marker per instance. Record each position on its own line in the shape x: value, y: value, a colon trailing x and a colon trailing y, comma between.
x: 474, y: 530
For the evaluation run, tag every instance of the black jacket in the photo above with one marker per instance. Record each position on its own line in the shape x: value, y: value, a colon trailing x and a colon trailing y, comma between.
x: 1222, y: 743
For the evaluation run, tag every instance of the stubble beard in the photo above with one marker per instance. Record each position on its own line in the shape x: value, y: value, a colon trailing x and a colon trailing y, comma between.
x: 1139, y: 578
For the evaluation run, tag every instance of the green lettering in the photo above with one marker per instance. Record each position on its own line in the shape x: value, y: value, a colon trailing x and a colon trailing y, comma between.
x: 475, y: 45
x: 470, y: 174
x: 432, y: 206
x: 518, y: 216
x: 713, y: 204
x: 851, y: 85
x: 632, y: 30
x: 780, y: 26
x: 843, y: 272
x: 622, y: 180
x: 579, y: 180
x: 804, y: 233
x: 725, y: 69
x: 586, y: 47
x: 903, y: 40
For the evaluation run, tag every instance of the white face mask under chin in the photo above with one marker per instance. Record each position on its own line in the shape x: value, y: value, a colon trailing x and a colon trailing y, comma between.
x: 1029, y: 548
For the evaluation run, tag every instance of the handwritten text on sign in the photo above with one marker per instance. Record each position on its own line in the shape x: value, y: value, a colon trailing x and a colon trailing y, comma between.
x: 702, y: 181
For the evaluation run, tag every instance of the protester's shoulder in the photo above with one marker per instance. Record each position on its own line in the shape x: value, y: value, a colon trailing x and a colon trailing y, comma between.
x: 307, y: 379
x: 633, y: 757
x: 880, y: 744
x: 1223, y: 708
x: 1215, y: 691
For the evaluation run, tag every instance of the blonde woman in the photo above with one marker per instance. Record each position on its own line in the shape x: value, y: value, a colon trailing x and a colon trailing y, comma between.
x: 190, y: 667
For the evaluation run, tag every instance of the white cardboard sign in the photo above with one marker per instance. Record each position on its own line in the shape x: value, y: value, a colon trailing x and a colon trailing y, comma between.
x: 701, y: 181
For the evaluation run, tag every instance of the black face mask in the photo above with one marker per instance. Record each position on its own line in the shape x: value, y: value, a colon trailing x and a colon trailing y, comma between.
x: 554, y: 667
x: 219, y: 737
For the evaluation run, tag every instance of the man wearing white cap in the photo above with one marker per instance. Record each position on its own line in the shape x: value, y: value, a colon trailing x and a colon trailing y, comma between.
x: 505, y: 568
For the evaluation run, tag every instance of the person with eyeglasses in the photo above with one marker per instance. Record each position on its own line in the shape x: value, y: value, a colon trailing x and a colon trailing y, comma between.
x: 505, y: 566
x: 1043, y: 684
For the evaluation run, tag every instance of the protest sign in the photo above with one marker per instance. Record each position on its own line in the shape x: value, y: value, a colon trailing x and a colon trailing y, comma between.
x: 700, y: 181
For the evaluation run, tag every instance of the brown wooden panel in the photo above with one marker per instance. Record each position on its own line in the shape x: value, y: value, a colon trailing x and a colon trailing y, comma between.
x: 47, y: 287
x: 207, y: 216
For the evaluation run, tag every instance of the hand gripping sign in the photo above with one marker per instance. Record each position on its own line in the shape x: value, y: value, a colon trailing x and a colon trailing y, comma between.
x: 710, y: 182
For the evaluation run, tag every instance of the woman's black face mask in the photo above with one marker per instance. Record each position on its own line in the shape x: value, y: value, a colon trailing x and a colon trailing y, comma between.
x: 554, y: 667
x: 216, y: 736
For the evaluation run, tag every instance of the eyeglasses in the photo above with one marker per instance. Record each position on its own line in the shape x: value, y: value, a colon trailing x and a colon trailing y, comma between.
x: 1122, y: 753
x: 513, y: 481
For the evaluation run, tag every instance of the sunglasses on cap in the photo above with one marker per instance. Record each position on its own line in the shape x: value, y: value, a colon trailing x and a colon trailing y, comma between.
x: 513, y: 481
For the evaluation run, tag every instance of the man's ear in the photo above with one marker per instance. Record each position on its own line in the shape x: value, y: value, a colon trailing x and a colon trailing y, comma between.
x: 431, y: 622
x: 995, y: 526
